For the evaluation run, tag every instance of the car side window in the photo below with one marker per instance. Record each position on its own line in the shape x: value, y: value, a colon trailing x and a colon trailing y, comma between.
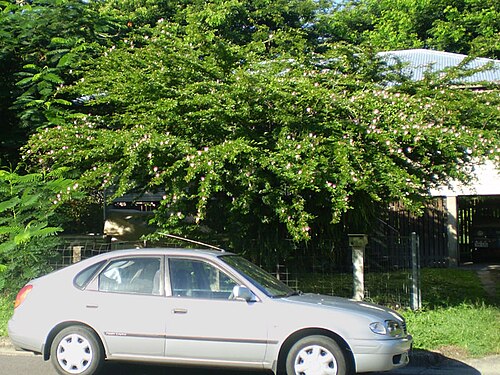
x: 199, y: 279
x: 83, y: 278
x: 132, y: 275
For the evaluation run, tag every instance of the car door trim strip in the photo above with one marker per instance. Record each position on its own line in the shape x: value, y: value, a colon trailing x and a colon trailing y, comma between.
x: 190, y: 338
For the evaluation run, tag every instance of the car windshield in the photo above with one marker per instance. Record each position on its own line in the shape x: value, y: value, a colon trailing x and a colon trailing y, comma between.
x: 264, y: 281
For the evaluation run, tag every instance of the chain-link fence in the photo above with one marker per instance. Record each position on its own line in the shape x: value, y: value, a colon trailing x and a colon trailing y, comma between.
x: 388, y: 271
x: 72, y: 249
x: 326, y: 269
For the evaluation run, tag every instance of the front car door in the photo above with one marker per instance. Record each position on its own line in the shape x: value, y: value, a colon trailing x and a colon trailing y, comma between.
x: 205, y: 324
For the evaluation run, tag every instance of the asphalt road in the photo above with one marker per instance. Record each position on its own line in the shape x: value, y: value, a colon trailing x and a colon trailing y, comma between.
x: 34, y: 365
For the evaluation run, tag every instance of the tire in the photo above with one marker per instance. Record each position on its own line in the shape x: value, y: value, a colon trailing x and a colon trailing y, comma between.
x: 316, y: 355
x: 76, y: 350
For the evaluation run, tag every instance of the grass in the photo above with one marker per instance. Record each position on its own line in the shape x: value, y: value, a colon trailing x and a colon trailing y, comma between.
x: 451, y: 287
x: 459, y: 319
x: 385, y: 288
x: 465, y: 330
x: 6, y: 309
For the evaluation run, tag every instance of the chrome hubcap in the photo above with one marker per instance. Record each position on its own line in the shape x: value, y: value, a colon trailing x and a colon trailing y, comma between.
x: 315, y: 360
x: 74, y: 354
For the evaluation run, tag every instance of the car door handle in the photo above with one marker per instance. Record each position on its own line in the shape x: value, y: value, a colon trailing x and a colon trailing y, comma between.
x: 91, y: 306
x: 179, y: 311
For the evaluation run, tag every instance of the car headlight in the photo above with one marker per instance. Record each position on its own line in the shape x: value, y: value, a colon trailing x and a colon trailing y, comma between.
x: 389, y: 327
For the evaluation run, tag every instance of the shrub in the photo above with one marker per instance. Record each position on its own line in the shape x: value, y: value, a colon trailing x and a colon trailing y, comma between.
x: 27, y: 204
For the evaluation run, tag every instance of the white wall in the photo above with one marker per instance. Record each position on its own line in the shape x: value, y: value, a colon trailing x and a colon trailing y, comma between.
x: 486, y: 182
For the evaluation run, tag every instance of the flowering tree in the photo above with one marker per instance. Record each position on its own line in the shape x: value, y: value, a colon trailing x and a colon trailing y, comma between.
x: 248, y: 142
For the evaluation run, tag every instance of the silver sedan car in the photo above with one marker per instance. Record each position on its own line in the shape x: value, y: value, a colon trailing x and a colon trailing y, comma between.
x: 198, y: 308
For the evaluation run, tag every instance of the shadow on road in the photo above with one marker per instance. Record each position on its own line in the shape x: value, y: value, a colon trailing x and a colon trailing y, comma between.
x: 138, y: 369
x: 421, y: 363
x: 424, y: 362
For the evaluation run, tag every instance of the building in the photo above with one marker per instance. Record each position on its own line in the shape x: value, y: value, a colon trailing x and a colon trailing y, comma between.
x: 470, y: 214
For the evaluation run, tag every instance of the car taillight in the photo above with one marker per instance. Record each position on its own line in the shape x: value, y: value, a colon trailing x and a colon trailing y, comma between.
x: 21, y: 296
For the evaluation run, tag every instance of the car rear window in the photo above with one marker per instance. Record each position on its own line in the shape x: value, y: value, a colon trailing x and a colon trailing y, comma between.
x: 84, y: 277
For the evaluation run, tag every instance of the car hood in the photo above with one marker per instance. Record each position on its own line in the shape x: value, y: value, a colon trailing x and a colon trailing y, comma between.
x: 338, y: 303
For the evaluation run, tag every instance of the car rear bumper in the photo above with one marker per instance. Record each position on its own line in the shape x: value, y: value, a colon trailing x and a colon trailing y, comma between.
x: 381, y: 355
x: 21, y: 339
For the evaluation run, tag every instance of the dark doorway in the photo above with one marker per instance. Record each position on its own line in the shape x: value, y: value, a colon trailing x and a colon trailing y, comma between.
x: 479, y: 228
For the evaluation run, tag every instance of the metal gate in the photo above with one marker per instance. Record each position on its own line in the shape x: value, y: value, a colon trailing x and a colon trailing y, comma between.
x: 431, y: 228
x: 478, y: 226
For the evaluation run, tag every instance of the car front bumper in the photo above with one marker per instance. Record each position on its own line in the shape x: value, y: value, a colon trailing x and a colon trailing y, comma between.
x: 381, y: 355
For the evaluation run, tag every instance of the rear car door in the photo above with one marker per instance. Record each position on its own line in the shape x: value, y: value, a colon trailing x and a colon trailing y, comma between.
x: 126, y: 304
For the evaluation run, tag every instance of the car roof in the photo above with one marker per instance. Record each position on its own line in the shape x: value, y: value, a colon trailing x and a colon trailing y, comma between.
x: 163, y: 252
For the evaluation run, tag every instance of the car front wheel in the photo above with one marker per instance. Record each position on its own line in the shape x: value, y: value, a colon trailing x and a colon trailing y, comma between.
x: 76, y: 350
x: 316, y: 355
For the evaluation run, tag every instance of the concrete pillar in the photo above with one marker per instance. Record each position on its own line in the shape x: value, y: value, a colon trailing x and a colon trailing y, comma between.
x: 358, y: 243
x: 77, y: 254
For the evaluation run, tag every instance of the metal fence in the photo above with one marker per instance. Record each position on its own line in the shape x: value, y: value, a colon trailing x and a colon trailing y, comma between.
x: 390, y: 277
x: 391, y: 271
x: 72, y: 249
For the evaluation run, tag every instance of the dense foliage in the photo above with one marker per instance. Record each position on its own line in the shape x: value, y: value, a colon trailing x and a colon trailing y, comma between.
x: 27, y: 233
x: 470, y: 27
x: 43, y: 44
x: 256, y: 119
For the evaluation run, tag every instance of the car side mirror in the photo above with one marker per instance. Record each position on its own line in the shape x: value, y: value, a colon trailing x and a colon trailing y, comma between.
x: 243, y: 293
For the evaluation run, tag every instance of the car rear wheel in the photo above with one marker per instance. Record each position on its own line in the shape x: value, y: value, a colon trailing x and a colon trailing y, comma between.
x: 316, y: 355
x: 76, y: 350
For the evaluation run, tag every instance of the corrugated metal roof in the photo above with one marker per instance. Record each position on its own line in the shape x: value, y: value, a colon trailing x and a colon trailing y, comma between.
x: 422, y: 60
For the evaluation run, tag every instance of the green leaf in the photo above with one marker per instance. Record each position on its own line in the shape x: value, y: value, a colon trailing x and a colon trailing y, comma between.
x: 31, y: 66
x: 62, y: 102
x: 9, y: 204
x: 22, y: 238
x: 25, y: 81
x: 61, y: 41
x: 7, y: 247
x: 47, y: 231
x: 54, y: 78
x: 66, y: 60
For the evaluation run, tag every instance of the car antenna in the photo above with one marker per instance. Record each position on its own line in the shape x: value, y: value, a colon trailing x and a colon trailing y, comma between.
x: 192, y: 241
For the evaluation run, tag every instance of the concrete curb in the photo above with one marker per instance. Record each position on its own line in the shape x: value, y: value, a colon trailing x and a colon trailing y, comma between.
x: 7, y: 348
x: 5, y: 342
